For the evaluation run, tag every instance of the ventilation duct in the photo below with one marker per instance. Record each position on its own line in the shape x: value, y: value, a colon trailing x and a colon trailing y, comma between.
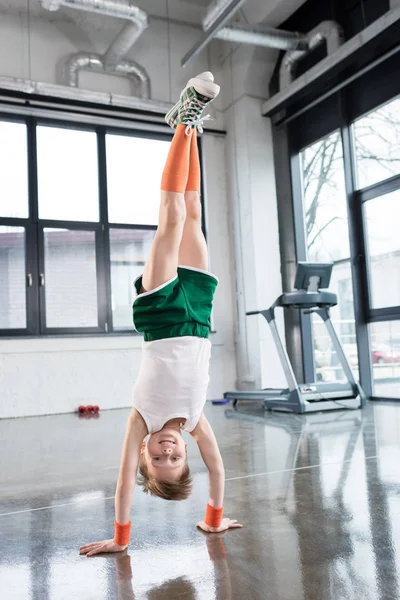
x: 111, y: 62
x: 265, y: 36
x: 93, y: 62
x: 124, y: 41
x: 328, y: 31
x: 219, y: 13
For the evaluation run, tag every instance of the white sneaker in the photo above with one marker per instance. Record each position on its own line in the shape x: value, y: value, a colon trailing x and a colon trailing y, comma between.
x: 196, y: 95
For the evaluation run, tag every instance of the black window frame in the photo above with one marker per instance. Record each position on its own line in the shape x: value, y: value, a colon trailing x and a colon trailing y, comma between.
x: 338, y: 113
x: 34, y: 237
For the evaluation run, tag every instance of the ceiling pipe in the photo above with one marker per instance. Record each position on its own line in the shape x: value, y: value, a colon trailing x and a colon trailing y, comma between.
x: 329, y: 31
x: 264, y: 36
x: 219, y: 12
x: 214, y: 10
x: 93, y: 62
x: 230, y: 8
x: 112, y: 61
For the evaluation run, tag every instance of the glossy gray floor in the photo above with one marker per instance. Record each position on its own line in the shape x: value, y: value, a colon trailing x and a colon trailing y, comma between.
x: 319, y: 496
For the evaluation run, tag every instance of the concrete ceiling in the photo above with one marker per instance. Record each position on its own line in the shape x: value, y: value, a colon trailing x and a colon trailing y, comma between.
x: 272, y: 12
x: 82, y: 28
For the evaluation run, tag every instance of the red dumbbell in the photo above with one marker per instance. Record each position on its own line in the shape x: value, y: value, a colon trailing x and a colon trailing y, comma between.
x: 88, y: 411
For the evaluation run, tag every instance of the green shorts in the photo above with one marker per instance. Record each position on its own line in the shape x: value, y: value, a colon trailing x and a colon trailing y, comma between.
x: 180, y: 307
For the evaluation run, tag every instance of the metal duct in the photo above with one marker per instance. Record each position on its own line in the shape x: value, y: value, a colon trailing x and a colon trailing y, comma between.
x: 94, y: 62
x: 111, y: 62
x: 78, y: 62
x: 328, y: 31
x: 137, y: 73
x: 228, y: 10
x: 124, y: 41
x: 63, y: 91
x: 265, y: 36
x: 109, y: 8
x: 215, y: 10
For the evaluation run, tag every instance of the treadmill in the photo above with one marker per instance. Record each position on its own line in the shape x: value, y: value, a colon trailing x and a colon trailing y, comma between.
x: 310, y: 296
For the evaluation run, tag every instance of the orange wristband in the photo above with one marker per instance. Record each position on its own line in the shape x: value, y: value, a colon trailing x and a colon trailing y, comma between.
x: 213, y: 516
x: 122, y: 533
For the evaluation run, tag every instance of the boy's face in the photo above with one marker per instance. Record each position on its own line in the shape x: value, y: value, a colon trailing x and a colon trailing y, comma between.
x: 165, y: 454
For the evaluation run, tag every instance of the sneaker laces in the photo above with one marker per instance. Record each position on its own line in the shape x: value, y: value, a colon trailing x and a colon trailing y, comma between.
x: 198, y: 123
x: 193, y: 115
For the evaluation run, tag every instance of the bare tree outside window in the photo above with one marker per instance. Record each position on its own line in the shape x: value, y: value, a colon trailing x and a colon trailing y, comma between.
x: 327, y: 240
x: 377, y: 151
x: 377, y: 144
x: 323, y: 180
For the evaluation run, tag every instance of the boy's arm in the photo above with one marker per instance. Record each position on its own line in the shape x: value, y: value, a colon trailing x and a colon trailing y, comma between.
x: 136, y: 431
x: 208, y: 446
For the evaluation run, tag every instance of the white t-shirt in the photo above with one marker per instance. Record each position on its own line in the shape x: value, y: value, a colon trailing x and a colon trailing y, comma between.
x: 173, y: 380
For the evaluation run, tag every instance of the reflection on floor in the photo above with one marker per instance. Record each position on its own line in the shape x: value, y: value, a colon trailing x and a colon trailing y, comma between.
x: 319, y: 496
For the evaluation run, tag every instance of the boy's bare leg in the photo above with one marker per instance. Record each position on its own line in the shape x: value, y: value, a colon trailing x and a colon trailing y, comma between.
x: 193, y: 250
x: 162, y: 261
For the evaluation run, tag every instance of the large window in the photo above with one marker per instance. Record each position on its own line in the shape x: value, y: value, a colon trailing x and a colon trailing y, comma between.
x: 351, y: 217
x: 78, y: 212
x: 327, y: 240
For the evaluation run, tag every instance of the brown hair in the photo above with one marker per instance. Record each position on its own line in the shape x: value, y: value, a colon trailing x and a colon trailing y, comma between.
x: 168, y: 490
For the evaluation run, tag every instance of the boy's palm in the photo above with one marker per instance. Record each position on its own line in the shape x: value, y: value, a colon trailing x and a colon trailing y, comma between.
x: 100, y: 547
x: 225, y: 524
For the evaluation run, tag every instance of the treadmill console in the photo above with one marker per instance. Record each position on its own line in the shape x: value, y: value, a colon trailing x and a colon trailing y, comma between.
x: 312, y: 277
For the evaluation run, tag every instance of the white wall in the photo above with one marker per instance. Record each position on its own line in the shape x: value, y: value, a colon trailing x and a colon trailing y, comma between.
x: 54, y: 375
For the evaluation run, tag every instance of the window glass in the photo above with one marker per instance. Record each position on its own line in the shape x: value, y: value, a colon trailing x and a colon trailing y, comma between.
x: 327, y: 239
x: 382, y: 219
x: 12, y: 278
x: 134, y: 169
x: 68, y: 184
x: 129, y: 249
x: 377, y: 144
x: 70, y: 278
x: 385, y: 358
x: 13, y: 170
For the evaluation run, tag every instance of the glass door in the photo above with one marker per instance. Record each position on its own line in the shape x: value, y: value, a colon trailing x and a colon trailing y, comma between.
x: 377, y: 158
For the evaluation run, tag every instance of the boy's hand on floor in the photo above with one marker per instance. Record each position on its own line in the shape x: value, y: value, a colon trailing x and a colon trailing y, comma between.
x: 100, y: 547
x: 225, y: 524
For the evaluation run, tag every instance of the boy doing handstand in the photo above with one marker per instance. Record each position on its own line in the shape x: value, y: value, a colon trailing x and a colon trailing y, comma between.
x: 172, y: 309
